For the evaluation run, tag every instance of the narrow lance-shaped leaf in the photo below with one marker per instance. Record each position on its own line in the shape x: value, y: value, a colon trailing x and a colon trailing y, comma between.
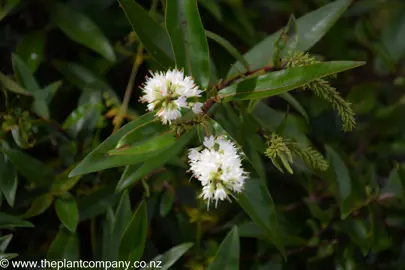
x: 67, y: 211
x: 8, y: 179
x: 134, y: 239
x: 153, y: 36
x: 171, y: 256
x: 258, y: 204
x: 31, y: 49
x: 277, y: 82
x: 227, y: 257
x: 82, y: 29
x: 65, y: 246
x: 188, y: 39
x: 311, y: 28
x: 39, y: 205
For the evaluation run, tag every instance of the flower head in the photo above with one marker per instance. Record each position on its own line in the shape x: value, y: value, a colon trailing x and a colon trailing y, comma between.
x: 218, y: 166
x: 169, y: 92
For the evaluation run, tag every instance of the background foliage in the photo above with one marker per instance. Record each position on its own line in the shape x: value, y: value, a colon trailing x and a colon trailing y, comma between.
x: 70, y: 77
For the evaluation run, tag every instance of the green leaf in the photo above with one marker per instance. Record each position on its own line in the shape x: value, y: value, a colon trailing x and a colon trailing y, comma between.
x: 133, y: 241
x: 39, y: 205
x: 153, y: 36
x: 166, y: 203
x: 286, y: 42
x: 63, y: 183
x: 8, y: 180
x: 7, y: 6
x: 135, y: 172
x: 171, y: 256
x: 311, y: 28
x: 50, y: 90
x: 295, y: 104
x: 80, y: 28
x: 394, y: 186
x: 12, y: 86
x: 25, y: 78
x: 34, y: 170
x: 227, y: 257
x: 122, y: 219
x: 228, y: 46
x: 65, y: 246
x: 156, y: 143
x: 277, y: 82
x: 341, y: 176
x: 4, y: 241
x: 8, y: 221
x: 31, y: 49
x: 188, y: 39
x: 67, y: 211
x: 98, y: 159
x: 357, y: 230
x: 258, y: 204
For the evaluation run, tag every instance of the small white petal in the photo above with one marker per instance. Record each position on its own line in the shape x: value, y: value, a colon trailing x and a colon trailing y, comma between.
x: 197, y: 107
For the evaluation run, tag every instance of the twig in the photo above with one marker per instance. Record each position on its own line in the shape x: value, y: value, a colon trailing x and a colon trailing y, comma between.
x: 128, y: 92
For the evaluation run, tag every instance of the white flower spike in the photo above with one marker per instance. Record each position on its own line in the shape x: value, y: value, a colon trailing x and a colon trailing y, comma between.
x: 169, y: 92
x: 218, y: 166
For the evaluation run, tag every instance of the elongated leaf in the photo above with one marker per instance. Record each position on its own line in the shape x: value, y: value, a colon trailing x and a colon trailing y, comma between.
x: 65, y: 246
x: 153, y: 36
x: 82, y: 29
x: 8, y: 180
x: 227, y: 257
x: 99, y: 160
x: 39, y: 205
x: 135, y: 172
x: 122, y: 219
x: 134, y: 239
x: 275, y: 83
x: 12, y: 86
x: 8, y: 221
x: 311, y: 28
x: 258, y: 204
x: 228, y: 46
x: 153, y: 144
x: 31, y: 49
x: 63, y: 183
x: 34, y: 170
x: 4, y: 241
x: 343, y: 182
x: 171, y: 256
x: 295, y: 103
x: 50, y: 90
x: 166, y: 203
x: 66, y: 209
x: 188, y: 39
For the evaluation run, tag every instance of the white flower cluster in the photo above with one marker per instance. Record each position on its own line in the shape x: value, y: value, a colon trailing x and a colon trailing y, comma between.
x: 170, y: 92
x: 218, y: 166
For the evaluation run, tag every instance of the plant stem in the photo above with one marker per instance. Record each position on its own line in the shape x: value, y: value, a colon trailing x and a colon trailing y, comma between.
x: 128, y: 91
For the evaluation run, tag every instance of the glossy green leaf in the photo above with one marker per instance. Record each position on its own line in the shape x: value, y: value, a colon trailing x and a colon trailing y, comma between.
x: 32, y: 169
x: 65, y: 246
x: 39, y: 206
x: 394, y: 186
x: 4, y: 241
x: 31, y: 49
x: 8, y: 221
x: 133, y: 173
x: 227, y: 256
x: 134, y: 238
x: 311, y: 28
x: 12, y: 86
x: 166, y: 203
x: 277, y: 82
x: 258, y: 204
x: 170, y: 257
x: 63, y: 183
x: 80, y: 28
x: 153, y: 36
x: 228, y: 46
x: 188, y: 39
x: 341, y: 176
x: 99, y: 160
x: 122, y: 219
x: 156, y: 143
x: 286, y: 42
x: 67, y: 211
x: 50, y: 90
x: 8, y: 180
